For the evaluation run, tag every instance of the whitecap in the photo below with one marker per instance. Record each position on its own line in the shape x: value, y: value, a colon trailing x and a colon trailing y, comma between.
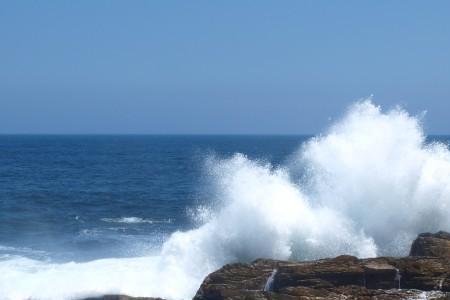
x: 136, y: 220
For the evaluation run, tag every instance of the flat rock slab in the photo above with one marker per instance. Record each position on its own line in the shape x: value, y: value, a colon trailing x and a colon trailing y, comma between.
x: 343, y: 277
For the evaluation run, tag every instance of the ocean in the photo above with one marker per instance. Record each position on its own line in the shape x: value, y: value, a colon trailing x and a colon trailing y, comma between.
x: 152, y: 215
x: 85, y: 197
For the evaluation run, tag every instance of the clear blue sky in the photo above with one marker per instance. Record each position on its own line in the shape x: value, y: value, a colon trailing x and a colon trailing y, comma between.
x: 217, y: 66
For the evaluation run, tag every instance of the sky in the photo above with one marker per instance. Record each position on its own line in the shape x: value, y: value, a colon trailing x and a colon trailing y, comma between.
x: 218, y: 67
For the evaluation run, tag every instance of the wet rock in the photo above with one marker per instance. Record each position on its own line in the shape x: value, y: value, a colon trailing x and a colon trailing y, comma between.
x: 236, y: 280
x: 343, y: 277
x: 432, y: 244
x: 379, y: 274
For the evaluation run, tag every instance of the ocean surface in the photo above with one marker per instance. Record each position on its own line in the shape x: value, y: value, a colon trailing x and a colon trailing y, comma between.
x: 85, y: 197
x: 87, y: 215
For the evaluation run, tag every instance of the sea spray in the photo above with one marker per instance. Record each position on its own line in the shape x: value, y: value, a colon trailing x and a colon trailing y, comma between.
x: 378, y: 171
x: 368, y: 185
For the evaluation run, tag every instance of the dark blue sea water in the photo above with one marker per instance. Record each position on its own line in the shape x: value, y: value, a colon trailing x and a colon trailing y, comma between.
x: 85, y: 197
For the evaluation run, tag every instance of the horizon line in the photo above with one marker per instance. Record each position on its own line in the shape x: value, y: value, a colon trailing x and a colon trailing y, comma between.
x: 156, y: 134
x: 180, y: 134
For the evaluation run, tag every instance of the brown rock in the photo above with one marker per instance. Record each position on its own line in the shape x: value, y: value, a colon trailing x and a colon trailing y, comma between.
x: 432, y: 244
x: 344, y: 277
x: 379, y: 274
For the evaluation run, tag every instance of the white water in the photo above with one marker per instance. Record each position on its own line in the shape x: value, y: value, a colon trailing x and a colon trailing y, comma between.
x: 135, y: 220
x: 369, y: 185
x: 268, y: 287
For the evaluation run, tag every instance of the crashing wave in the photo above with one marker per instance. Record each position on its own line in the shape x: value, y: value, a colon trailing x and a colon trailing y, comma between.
x: 371, y: 174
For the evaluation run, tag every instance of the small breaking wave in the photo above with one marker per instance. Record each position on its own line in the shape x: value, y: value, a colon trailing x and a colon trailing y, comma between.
x: 136, y: 220
x: 7, y: 252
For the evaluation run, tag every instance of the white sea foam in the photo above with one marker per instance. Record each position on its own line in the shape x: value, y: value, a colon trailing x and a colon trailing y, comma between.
x: 135, y: 220
x: 6, y: 251
x: 368, y: 185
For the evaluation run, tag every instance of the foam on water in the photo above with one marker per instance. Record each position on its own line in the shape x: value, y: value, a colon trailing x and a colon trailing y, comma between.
x: 135, y: 220
x: 367, y: 187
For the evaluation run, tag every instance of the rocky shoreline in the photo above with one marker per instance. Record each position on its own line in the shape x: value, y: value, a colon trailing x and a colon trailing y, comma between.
x: 424, y: 274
